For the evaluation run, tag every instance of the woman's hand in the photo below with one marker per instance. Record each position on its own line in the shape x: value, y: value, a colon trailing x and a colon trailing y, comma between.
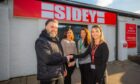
x: 70, y: 64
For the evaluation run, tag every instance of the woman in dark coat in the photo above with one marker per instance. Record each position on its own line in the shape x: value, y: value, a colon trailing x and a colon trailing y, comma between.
x: 99, y: 53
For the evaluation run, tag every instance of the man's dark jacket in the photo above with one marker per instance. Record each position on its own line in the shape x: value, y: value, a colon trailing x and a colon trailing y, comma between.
x: 50, y: 59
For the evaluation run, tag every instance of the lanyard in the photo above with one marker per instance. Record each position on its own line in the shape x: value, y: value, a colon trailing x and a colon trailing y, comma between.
x: 93, y: 52
x: 81, y: 44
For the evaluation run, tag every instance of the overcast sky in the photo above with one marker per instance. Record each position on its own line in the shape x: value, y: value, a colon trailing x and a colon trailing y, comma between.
x: 126, y: 5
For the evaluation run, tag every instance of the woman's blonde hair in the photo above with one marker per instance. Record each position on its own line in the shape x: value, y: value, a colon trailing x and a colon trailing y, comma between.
x: 102, y: 35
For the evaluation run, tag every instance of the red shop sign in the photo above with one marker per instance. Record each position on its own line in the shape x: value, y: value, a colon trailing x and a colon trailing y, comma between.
x: 38, y: 9
x: 130, y: 35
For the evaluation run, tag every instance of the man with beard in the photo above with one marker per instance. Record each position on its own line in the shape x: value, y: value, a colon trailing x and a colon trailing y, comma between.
x: 50, y: 58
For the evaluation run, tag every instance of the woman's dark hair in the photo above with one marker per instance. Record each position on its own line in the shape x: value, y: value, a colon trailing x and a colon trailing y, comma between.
x: 87, y: 37
x: 72, y: 34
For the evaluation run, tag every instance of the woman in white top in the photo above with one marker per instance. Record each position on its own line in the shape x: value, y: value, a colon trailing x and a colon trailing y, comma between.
x: 69, y: 47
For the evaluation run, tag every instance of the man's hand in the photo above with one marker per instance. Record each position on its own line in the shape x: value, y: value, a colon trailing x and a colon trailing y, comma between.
x: 69, y: 57
x: 97, y: 83
x: 65, y: 73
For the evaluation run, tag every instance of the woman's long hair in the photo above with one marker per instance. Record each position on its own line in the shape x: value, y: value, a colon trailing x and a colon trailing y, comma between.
x: 87, y: 39
x: 101, y: 38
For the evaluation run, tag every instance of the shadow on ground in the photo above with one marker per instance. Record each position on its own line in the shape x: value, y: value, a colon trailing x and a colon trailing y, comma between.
x: 125, y: 72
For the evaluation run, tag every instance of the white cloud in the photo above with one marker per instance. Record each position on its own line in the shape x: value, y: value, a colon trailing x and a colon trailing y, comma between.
x: 137, y: 11
x: 104, y: 2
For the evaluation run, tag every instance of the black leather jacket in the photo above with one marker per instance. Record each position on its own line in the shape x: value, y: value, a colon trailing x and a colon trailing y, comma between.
x: 50, y: 59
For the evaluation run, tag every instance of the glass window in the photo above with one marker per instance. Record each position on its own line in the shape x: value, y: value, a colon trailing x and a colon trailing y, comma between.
x: 75, y: 27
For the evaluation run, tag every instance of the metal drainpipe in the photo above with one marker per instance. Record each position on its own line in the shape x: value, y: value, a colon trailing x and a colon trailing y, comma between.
x: 117, y: 29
